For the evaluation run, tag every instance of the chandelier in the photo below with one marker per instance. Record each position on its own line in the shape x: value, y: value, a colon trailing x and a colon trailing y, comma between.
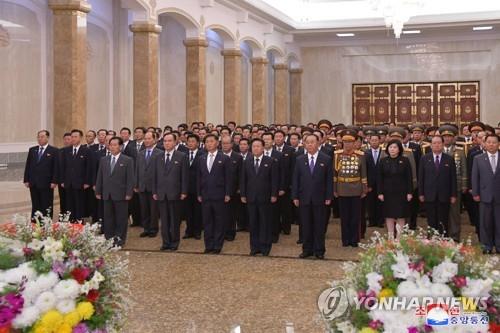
x: 397, y: 12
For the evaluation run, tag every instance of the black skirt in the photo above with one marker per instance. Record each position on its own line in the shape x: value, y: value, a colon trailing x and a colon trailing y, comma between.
x: 396, y: 206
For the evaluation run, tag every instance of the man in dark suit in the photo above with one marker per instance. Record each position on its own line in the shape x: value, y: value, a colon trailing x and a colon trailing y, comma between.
x: 312, y: 192
x: 76, y: 174
x: 214, y: 193
x: 115, y: 185
x: 193, y: 207
x: 90, y: 139
x: 486, y: 191
x: 259, y: 188
x: 472, y: 206
x: 235, y: 203
x: 417, y: 154
x: 60, y: 190
x: 374, y: 206
x: 244, y: 150
x: 129, y: 148
x: 170, y: 187
x: 437, y: 185
x: 284, y: 198
x: 269, y: 151
x: 97, y: 156
x: 144, y: 184
x: 40, y: 174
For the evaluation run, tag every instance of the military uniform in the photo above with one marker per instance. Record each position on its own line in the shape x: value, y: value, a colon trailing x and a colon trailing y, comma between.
x: 349, y: 185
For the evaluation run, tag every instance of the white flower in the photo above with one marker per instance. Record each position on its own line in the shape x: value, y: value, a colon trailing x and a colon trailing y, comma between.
x: 407, y: 289
x: 46, y: 301
x: 396, y: 321
x: 440, y: 290
x: 85, y: 288
x: 35, y: 244
x: 53, y: 254
x: 65, y: 306
x: 477, y: 288
x: 76, y: 253
x: 52, y: 244
x: 16, y: 275
x: 47, y: 281
x: 31, y: 292
x: 98, y: 277
x: 26, y: 318
x: 443, y: 272
x: 67, y: 289
x: 401, y: 269
x: 373, y: 280
x: 346, y: 327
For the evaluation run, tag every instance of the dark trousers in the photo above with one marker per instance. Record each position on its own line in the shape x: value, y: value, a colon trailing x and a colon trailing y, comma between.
x: 193, y: 216
x: 285, y: 213
x: 438, y: 214
x: 134, y: 209
x: 90, y: 204
x: 259, y: 217
x: 362, y: 218
x: 374, y: 209
x: 489, y: 225
x: 42, y: 200
x: 472, y: 209
x: 312, y: 219
x: 350, y: 217
x: 62, y: 199
x: 415, y: 208
x: 149, y: 212
x: 170, y: 215
x: 75, y: 202
x: 214, y: 223
x: 243, y: 218
x: 233, y: 215
x: 275, y: 222
x: 328, y: 212
x: 114, y: 225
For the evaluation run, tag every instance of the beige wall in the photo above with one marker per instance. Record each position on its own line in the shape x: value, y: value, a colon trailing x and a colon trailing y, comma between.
x: 329, y: 73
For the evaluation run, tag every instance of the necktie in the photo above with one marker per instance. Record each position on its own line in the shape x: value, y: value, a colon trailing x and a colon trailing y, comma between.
x: 279, y: 149
x: 256, y: 166
x: 40, y: 153
x: 167, y: 160
x: 191, y: 158
x: 101, y: 147
x: 148, y: 155
x: 311, y: 164
x: 493, y: 163
x: 74, y: 152
x: 108, y: 153
x: 267, y: 153
x: 210, y: 162
x: 375, y: 156
x: 436, y: 163
x: 113, y: 163
x: 138, y: 147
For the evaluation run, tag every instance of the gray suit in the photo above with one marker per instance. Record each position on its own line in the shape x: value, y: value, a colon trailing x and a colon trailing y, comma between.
x: 486, y: 184
x: 169, y: 182
x: 114, y: 187
x: 144, y: 183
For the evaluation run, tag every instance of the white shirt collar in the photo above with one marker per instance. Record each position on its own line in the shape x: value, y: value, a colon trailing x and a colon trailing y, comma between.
x: 258, y: 157
x: 228, y: 154
x: 268, y: 151
x: 169, y: 152
x: 490, y: 154
x: 43, y: 147
x: 437, y: 155
x: 77, y: 147
x: 193, y: 151
x: 117, y: 156
x: 315, y: 156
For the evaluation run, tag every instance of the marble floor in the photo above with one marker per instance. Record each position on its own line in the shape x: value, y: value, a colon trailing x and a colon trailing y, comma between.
x: 190, y: 292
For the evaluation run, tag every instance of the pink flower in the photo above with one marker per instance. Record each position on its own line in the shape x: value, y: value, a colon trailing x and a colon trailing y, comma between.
x: 376, y: 324
x: 459, y: 281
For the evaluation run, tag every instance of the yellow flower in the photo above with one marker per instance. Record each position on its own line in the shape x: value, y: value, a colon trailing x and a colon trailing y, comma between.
x: 39, y: 328
x: 72, y: 318
x: 51, y: 320
x: 64, y: 328
x: 386, y: 292
x: 367, y: 330
x: 85, y: 310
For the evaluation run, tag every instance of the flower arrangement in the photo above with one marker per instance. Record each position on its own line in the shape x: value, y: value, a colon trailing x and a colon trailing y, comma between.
x: 422, y: 266
x: 60, y: 277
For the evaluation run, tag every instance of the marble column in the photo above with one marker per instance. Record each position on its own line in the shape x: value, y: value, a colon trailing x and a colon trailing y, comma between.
x: 296, y: 96
x: 145, y: 73
x: 195, y: 79
x: 70, y: 65
x: 259, y: 90
x: 232, y: 85
x: 281, y: 93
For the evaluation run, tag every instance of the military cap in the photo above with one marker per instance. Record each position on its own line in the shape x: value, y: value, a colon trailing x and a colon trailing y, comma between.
x: 476, y: 126
x: 430, y: 129
x: 417, y: 127
x: 397, y: 131
x: 382, y: 130
x: 489, y: 129
x: 370, y: 130
x: 325, y: 123
x: 448, y: 129
x: 349, y: 134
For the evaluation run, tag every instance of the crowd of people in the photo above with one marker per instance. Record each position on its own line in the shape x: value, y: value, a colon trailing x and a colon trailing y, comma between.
x: 226, y: 179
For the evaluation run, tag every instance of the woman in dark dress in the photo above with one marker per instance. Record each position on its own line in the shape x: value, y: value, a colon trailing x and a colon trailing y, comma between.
x: 394, y: 186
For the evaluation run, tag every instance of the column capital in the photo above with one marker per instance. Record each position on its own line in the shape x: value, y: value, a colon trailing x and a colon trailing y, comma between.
x: 280, y: 66
x: 200, y: 42
x: 259, y: 61
x: 296, y: 70
x: 70, y: 5
x: 145, y: 27
x: 231, y: 53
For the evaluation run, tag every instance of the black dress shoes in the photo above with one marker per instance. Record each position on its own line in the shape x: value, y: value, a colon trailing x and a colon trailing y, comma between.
x: 304, y: 255
x: 144, y: 234
x: 320, y: 256
x: 153, y: 235
x: 207, y: 251
x: 216, y: 251
x: 187, y: 236
x: 198, y: 237
x: 164, y: 248
x: 299, y: 241
x: 253, y: 253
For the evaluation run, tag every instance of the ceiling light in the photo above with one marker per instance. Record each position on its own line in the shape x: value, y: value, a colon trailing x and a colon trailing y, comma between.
x: 347, y: 34
x: 411, y: 32
x: 489, y: 27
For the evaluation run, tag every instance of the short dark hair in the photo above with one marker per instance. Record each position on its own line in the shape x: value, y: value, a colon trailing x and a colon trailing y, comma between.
x: 102, y: 130
x: 126, y: 129
x: 245, y: 139
x: 231, y: 122
x: 170, y: 133
x: 320, y: 132
x: 258, y: 140
x: 77, y: 131
x: 93, y: 132
x: 268, y: 133
x: 143, y: 129
x: 438, y: 136
x: 317, y: 137
x: 492, y: 135
x: 193, y: 136
x: 120, y: 140
x: 294, y: 134
x: 398, y: 143
x: 47, y: 133
x: 153, y: 133
x: 111, y: 132
x: 210, y: 135
x: 279, y: 131
x: 66, y: 134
